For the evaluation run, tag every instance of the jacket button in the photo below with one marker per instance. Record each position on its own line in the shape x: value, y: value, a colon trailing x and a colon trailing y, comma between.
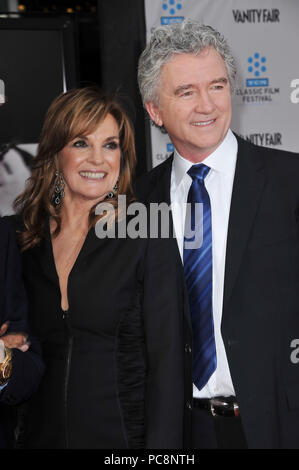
x: 189, y: 405
x: 188, y: 348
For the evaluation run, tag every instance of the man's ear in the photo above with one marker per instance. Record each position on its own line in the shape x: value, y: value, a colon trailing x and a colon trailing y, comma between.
x: 154, y: 112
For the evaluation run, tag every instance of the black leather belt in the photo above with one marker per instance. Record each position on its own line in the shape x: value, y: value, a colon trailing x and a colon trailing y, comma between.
x: 218, y: 406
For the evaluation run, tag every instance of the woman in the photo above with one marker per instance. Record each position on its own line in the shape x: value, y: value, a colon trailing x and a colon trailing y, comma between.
x: 108, y: 311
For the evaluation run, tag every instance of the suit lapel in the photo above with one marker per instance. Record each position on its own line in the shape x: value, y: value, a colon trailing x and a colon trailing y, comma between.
x: 159, y: 188
x: 160, y: 192
x: 161, y: 183
x: 247, y: 189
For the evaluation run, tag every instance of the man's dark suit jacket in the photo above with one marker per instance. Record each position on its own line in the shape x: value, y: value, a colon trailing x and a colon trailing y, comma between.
x: 27, y: 367
x: 261, y: 292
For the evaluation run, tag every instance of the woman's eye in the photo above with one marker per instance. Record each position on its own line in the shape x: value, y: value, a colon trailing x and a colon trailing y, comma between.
x: 79, y: 143
x: 112, y: 145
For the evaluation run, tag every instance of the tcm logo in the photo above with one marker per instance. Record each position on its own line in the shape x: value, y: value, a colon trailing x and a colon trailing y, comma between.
x: 2, y: 92
x: 257, y: 67
x: 172, y: 8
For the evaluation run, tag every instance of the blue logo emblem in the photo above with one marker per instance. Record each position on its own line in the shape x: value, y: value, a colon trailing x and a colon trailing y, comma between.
x: 257, y: 67
x: 170, y: 147
x: 172, y: 8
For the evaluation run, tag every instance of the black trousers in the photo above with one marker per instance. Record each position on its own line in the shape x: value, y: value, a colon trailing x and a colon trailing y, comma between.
x: 216, y: 432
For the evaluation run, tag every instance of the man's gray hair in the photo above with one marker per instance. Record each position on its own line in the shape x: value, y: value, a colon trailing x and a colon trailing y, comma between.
x: 188, y: 37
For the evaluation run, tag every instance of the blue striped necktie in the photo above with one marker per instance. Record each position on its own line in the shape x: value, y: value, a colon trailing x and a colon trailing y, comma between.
x: 198, y: 273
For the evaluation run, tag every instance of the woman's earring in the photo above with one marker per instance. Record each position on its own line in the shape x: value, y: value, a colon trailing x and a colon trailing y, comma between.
x: 58, y: 189
x: 113, y: 192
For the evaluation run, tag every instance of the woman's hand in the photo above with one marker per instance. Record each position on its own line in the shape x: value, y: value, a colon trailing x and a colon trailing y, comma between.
x: 14, y: 340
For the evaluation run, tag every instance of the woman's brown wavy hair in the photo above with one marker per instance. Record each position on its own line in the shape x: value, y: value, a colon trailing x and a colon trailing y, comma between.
x: 74, y: 113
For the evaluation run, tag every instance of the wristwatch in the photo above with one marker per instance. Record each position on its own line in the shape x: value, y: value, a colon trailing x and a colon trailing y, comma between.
x: 6, y: 367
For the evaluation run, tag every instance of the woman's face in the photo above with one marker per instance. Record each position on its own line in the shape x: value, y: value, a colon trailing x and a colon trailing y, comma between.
x: 90, y: 164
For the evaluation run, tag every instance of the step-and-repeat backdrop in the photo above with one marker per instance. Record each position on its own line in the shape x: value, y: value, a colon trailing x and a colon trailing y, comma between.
x: 264, y: 39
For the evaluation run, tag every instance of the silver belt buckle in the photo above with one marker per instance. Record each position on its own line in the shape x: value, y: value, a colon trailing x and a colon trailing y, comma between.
x: 214, y: 402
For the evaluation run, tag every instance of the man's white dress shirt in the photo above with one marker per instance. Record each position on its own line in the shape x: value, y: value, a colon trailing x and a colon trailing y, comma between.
x: 219, y: 183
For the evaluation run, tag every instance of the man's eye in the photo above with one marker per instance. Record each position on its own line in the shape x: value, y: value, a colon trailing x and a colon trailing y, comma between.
x: 80, y: 143
x: 187, y: 93
x: 217, y: 87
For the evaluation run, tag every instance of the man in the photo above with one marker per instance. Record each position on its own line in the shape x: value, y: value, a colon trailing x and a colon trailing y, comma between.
x: 243, y: 282
x: 21, y: 366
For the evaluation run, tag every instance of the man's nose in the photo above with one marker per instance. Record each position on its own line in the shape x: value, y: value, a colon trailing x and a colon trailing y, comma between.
x: 205, y: 103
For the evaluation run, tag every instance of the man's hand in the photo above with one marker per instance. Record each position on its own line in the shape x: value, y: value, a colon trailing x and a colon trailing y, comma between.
x: 14, y: 340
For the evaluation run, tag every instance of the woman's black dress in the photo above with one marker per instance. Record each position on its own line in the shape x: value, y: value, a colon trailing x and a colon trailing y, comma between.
x: 114, y: 360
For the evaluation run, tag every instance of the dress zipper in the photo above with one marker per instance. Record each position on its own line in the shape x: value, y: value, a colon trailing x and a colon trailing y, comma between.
x: 65, y: 317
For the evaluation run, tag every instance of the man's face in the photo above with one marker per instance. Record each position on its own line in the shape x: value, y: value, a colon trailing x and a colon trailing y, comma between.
x: 194, y: 103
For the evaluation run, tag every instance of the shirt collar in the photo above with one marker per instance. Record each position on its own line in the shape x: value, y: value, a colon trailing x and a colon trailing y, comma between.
x: 222, y: 160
